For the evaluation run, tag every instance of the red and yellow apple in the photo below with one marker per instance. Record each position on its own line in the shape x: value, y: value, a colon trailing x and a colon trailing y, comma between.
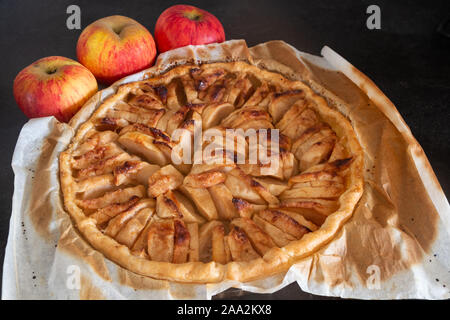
x: 182, y: 25
x: 114, y: 47
x: 53, y: 86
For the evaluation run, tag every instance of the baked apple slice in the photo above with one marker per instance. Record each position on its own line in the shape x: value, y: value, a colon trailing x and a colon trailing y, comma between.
x: 172, y: 96
x: 107, y: 213
x: 202, y: 200
x: 194, y: 242
x: 165, y: 179
x: 253, y: 185
x: 278, y: 236
x: 220, y: 251
x: 205, y: 239
x: 185, y: 206
x: 119, y: 221
x: 181, y: 242
x: 130, y: 232
x: 315, y: 210
x: 148, y: 100
x: 239, y: 188
x: 96, y: 186
x: 282, y: 102
x: 259, y: 239
x: 214, y: 94
x: 117, y: 196
x: 274, y: 186
x: 130, y: 171
x: 134, y: 114
x: 205, y: 179
x: 284, y: 222
x: 104, y: 166
x: 246, y: 209
x: 293, y: 126
x: 97, y: 154
x: 166, y: 207
x: 314, y: 146
x: 241, y: 116
x: 223, y: 199
x: 94, y: 140
x: 154, y: 133
x: 203, y: 79
x: 214, y: 113
x: 300, y: 219
x: 160, y: 240
x: 240, y: 246
x: 143, y: 145
x: 258, y: 96
x: 306, y: 191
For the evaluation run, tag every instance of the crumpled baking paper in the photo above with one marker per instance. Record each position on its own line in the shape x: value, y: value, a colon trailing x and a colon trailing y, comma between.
x: 394, y: 247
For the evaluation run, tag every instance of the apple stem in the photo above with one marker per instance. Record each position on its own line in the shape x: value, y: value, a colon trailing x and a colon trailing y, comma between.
x: 118, y: 30
x: 193, y: 15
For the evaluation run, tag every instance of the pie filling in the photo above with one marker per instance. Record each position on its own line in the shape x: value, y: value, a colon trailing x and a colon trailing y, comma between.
x: 124, y: 177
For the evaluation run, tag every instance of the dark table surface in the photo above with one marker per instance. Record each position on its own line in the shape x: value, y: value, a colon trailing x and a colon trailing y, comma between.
x: 406, y: 58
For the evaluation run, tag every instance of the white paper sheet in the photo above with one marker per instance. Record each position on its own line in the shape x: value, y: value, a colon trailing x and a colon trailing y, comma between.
x: 35, y: 268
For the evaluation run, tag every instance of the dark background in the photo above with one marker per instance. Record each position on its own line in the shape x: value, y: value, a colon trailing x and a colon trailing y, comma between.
x: 408, y: 59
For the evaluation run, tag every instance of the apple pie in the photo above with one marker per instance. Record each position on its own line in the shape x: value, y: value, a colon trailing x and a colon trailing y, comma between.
x: 224, y: 217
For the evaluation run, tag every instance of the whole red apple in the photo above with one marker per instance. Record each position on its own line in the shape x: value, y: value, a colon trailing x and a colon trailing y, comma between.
x: 53, y: 86
x: 114, y: 47
x: 182, y: 25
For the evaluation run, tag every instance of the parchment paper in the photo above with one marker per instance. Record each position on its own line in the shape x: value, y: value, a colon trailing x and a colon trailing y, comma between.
x: 394, y: 247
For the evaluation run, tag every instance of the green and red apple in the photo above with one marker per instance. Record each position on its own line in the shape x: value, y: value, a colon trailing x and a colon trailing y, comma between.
x: 53, y: 86
x: 114, y: 47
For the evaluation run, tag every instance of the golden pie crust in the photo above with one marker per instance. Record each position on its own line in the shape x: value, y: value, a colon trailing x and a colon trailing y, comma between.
x: 208, y: 222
